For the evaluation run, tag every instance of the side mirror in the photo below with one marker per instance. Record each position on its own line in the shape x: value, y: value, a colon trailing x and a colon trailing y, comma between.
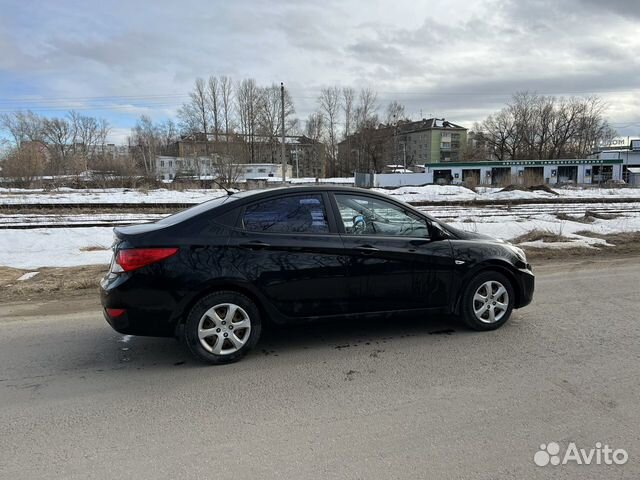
x: 436, y: 232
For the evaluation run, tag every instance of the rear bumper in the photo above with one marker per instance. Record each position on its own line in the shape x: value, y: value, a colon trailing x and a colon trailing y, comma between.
x: 526, y: 284
x: 148, y: 311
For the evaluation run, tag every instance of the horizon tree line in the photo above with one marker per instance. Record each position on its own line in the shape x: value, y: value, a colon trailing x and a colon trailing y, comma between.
x: 529, y: 126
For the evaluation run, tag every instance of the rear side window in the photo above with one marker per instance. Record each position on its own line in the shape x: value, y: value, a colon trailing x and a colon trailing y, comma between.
x: 291, y: 214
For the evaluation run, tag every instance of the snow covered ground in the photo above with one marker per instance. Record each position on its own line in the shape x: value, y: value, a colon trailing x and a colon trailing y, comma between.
x: 433, y: 193
x: 13, y: 196
x: 507, y: 228
x: 444, y: 193
x: 55, y: 247
x: 65, y: 247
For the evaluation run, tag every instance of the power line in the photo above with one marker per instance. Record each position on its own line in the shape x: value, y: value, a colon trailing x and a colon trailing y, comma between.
x: 167, y: 96
x: 31, y: 99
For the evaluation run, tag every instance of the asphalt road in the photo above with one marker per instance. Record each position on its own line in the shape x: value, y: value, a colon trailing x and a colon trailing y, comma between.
x: 411, y: 399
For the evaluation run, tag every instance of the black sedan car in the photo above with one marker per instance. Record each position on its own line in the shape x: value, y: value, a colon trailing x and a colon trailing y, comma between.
x: 216, y: 273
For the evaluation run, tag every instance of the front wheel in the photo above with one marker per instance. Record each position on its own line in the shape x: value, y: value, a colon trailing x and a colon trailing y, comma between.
x: 487, y: 302
x: 222, y: 327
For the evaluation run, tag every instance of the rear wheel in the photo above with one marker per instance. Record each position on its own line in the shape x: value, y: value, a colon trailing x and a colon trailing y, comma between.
x: 222, y: 327
x: 487, y: 302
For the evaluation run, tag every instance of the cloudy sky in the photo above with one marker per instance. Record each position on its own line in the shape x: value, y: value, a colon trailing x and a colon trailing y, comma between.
x: 455, y: 59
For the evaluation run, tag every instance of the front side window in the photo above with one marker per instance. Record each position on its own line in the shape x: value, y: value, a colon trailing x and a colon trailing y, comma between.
x: 363, y: 215
x: 291, y: 214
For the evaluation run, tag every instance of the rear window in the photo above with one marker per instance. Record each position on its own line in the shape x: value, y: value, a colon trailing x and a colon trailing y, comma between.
x: 291, y: 214
x: 197, y: 210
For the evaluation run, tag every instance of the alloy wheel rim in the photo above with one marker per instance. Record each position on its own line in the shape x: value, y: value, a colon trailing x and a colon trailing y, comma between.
x: 224, y: 329
x: 490, y: 302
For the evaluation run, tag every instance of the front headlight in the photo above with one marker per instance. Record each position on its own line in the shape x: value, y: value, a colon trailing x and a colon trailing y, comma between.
x: 519, y: 253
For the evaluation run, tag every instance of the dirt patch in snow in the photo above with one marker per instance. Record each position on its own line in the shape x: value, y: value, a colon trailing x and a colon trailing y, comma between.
x: 533, y: 188
x: 50, y: 282
x: 619, y: 245
x: 93, y: 248
x: 572, y: 218
x: 540, y: 235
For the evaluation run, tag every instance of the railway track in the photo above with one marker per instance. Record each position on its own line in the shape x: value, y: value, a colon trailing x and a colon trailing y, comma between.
x: 132, y: 206
x: 33, y: 219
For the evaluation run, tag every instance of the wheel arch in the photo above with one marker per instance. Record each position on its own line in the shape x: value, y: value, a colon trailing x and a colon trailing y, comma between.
x: 183, y: 309
x: 499, y: 266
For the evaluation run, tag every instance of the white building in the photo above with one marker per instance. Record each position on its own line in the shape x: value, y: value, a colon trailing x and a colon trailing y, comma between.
x: 577, y: 171
x: 167, y: 168
x: 628, y: 151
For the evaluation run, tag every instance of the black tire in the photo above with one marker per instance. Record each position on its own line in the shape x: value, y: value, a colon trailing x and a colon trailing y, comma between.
x: 191, y: 328
x: 467, y: 304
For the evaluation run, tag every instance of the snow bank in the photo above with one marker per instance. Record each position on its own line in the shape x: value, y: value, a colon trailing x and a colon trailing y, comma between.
x: 428, y: 193
x: 55, y: 247
x: 441, y: 193
x: 431, y: 193
x: 109, y: 195
x: 67, y: 247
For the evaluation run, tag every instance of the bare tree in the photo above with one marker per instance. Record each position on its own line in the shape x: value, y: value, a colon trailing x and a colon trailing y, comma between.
x: 227, y: 170
x: 314, y: 126
x: 214, y: 103
x: 168, y: 133
x: 57, y: 133
x: 330, y: 108
x: 195, y: 116
x: 366, y: 122
x: 270, y: 110
x: 365, y: 112
x: 247, y: 98
x: 145, y: 140
x: 22, y: 126
x: 226, y: 94
x: 293, y: 126
x: 394, y: 113
x: 348, y: 95
x: 88, y: 137
x: 270, y: 113
x: 542, y: 127
x: 24, y: 165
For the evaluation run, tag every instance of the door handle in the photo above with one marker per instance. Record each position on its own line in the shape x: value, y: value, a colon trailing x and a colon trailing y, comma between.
x: 367, y: 249
x: 420, y: 242
x: 255, y: 245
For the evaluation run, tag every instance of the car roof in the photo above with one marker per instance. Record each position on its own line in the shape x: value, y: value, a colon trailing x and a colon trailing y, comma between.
x: 246, y: 194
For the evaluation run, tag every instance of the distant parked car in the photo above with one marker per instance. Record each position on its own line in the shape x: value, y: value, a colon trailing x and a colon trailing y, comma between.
x: 213, y: 274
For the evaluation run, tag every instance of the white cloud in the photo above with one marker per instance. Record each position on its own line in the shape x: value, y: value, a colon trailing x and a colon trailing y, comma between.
x: 455, y: 58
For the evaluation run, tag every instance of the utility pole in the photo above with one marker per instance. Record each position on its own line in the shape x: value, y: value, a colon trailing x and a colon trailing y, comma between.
x: 404, y: 151
x: 395, y: 140
x: 283, y: 152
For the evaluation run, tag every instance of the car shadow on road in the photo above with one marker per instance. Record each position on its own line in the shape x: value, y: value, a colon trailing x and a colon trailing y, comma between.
x: 346, y: 333
x: 280, y: 341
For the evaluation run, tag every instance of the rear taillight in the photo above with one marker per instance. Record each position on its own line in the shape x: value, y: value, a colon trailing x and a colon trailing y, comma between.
x: 134, y: 258
x: 115, y: 312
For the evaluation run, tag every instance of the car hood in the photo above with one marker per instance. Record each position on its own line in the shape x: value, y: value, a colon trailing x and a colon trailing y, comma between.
x: 464, y: 235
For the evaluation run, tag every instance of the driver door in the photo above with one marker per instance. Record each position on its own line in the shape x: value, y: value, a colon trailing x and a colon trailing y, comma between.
x: 392, y: 263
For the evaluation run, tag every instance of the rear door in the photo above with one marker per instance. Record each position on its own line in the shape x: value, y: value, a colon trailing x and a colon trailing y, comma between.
x: 392, y: 262
x: 288, y: 247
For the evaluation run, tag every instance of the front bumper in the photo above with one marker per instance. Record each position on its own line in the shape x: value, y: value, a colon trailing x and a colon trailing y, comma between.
x: 526, y: 283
